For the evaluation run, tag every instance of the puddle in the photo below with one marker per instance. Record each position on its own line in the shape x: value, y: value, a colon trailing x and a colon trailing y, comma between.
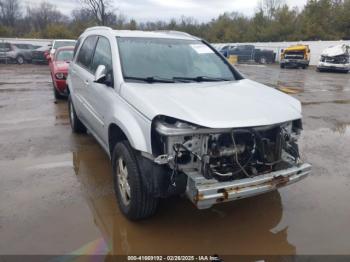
x: 11, y: 90
x: 192, y: 231
x: 15, y: 83
x: 61, y: 187
x: 326, y: 102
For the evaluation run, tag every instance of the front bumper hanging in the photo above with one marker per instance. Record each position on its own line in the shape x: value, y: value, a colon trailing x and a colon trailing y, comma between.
x: 205, y: 193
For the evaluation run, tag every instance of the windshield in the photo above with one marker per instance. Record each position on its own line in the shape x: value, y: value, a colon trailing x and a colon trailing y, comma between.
x: 59, y: 44
x: 171, y: 60
x: 64, y: 55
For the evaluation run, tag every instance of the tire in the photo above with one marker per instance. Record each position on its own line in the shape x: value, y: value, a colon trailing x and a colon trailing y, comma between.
x: 263, y: 60
x: 20, y: 60
x: 133, y: 199
x: 282, y: 66
x: 304, y: 67
x: 76, y: 125
x: 57, y: 95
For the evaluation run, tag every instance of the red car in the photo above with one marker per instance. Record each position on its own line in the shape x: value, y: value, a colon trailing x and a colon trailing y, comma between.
x: 59, y: 64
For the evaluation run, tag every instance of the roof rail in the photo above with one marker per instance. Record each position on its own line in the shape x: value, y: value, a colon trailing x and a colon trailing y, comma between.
x: 98, y: 28
x: 175, y: 32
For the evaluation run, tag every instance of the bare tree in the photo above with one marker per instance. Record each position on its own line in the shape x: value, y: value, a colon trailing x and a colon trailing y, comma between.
x: 101, y: 9
x: 10, y: 12
x: 43, y: 15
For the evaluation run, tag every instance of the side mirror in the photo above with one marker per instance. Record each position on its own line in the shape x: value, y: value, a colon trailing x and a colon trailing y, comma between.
x: 100, y: 74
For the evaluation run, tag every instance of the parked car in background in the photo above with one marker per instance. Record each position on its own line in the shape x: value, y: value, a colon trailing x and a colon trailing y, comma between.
x: 248, y: 53
x: 40, y: 55
x: 225, y: 49
x: 335, y: 58
x: 295, y: 56
x: 11, y: 53
x: 61, y: 43
x: 59, y: 69
x: 175, y: 117
x: 26, y: 46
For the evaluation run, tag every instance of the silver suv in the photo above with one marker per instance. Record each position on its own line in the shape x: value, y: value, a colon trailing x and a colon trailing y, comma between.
x: 15, y: 53
x: 175, y: 117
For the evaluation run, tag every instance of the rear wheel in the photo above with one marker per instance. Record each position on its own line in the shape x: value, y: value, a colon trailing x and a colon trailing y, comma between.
x: 133, y: 199
x: 20, y: 60
x: 76, y: 125
x: 263, y: 60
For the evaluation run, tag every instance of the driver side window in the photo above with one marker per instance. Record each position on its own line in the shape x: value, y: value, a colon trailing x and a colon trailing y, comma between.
x: 102, y: 56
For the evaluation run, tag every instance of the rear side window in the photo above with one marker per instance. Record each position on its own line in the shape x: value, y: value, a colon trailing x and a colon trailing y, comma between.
x: 103, y: 55
x: 5, y: 46
x: 86, y: 51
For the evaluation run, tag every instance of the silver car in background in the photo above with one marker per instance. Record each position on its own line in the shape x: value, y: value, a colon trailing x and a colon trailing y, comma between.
x: 10, y: 52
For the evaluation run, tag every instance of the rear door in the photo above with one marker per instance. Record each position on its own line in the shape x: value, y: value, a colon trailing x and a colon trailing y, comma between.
x: 82, y: 77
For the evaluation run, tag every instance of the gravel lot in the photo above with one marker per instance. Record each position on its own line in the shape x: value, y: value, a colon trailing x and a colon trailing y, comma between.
x: 56, y: 195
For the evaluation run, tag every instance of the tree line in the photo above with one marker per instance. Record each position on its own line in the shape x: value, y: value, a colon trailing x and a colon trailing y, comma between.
x: 273, y: 20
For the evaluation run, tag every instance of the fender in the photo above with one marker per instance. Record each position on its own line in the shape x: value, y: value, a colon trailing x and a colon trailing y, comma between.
x: 135, y: 126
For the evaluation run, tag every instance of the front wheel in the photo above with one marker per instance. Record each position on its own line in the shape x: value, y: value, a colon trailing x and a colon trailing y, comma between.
x: 76, y: 125
x: 57, y: 95
x: 133, y: 199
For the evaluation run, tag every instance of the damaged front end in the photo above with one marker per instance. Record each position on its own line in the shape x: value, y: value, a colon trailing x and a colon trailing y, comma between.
x: 229, y: 163
x: 335, y: 58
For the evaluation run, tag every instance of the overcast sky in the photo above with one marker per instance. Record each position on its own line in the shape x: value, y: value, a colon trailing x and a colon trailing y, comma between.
x: 152, y: 10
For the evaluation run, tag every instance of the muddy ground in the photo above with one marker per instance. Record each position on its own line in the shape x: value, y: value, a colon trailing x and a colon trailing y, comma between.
x: 56, y: 195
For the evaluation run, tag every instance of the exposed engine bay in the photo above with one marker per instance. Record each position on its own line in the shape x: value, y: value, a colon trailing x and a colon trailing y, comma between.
x: 340, y: 59
x: 225, y: 154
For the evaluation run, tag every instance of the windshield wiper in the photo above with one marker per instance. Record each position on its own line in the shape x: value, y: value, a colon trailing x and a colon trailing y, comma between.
x: 150, y: 79
x: 201, y: 79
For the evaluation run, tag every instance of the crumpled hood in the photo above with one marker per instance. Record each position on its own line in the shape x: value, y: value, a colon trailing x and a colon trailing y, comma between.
x: 233, y: 104
x: 335, y: 50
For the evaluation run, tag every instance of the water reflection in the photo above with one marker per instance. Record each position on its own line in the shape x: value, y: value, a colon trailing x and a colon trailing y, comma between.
x: 242, y: 227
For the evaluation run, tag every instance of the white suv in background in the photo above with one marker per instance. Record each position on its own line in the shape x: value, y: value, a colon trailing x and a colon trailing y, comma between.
x: 175, y: 117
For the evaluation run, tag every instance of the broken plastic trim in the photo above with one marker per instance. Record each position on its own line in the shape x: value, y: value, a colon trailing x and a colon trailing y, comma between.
x: 167, y: 129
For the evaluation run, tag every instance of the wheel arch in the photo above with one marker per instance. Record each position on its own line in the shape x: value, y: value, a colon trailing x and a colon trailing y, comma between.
x: 117, y: 132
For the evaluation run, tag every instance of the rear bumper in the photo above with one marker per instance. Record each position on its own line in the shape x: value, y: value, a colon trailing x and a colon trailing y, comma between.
x: 205, y: 193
